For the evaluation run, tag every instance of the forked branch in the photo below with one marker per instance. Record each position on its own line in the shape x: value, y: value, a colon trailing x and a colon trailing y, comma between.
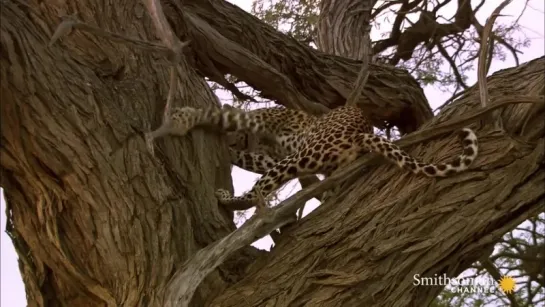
x: 167, y: 36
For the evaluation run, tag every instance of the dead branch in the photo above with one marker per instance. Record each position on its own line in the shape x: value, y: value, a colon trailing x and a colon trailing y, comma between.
x: 486, y: 44
x: 499, y: 39
x: 167, y: 36
x: 359, y: 85
x: 185, y: 281
x: 70, y: 22
x: 482, y: 71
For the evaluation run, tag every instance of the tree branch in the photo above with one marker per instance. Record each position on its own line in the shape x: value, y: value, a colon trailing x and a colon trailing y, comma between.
x: 452, y: 64
x: 482, y: 65
x: 495, y: 273
x: 426, y: 29
x: 396, y: 27
x: 169, y: 38
x: 189, y: 276
x: 293, y: 74
x: 499, y: 39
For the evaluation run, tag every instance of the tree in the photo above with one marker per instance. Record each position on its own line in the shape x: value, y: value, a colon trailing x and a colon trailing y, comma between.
x: 422, y: 37
x: 427, y: 39
x: 96, y: 220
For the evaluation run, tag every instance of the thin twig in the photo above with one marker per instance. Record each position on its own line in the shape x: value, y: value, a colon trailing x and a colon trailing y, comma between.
x: 364, y: 72
x: 486, y: 43
x: 451, y: 61
x: 489, y: 266
x: 451, y: 99
x: 186, y: 280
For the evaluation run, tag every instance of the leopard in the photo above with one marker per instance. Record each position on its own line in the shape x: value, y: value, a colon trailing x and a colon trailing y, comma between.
x: 252, y: 153
x: 255, y: 154
x: 255, y: 149
x: 316, y: 144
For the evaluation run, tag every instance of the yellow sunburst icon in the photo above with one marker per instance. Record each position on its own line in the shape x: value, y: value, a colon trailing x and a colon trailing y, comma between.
x: 507, y: 284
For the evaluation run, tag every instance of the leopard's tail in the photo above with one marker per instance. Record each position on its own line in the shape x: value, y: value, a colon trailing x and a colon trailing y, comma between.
x: 393, y: 153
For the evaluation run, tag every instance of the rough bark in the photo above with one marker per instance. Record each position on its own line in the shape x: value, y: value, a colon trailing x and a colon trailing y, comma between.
x: 97, y: 221
x: 392, y: 225
x: 230, y: 41
x: 340, y: 30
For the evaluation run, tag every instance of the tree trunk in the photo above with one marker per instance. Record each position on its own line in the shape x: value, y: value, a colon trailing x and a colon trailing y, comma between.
x: 340, y: 30
x: 97, y: 221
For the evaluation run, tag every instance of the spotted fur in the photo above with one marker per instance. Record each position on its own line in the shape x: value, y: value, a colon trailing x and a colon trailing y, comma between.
x: 257, y: 139
x: 246, y: 141
x: 279, y: 125
x: 315, y: 145
x: 257, y: 158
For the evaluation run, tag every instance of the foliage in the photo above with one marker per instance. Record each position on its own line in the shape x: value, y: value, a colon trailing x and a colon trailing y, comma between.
x: 445, y: 61
x: 295, y: 18
x: 520, y: 255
